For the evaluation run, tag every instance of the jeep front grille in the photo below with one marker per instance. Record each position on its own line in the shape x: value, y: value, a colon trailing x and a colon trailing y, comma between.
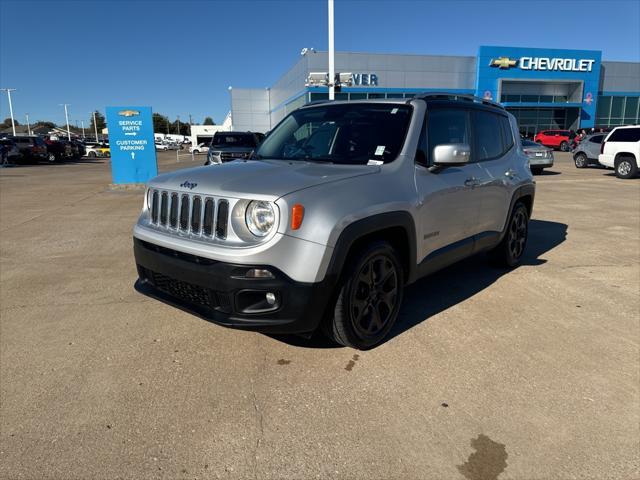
x: 184, y: 213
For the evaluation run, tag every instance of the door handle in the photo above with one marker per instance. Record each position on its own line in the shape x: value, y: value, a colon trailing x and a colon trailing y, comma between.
x: 471, y: 182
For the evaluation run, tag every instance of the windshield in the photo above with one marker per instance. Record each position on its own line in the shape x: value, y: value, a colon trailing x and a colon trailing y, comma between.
x: 229, y: 140
x: 345, y: 133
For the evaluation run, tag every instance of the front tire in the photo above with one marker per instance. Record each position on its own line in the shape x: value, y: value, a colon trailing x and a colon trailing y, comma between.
x: 564, y: 146
x: 510, y: 250
x: 581, y: 161
x: 626, y: 167
x: 51, y: 157
x: 369, y: 299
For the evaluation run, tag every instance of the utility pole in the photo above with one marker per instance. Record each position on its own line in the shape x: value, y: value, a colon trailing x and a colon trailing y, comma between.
x: 178, y: 132
x: 95, y: 125
x: 13, y: 123
x: 66, y: 117
x: 82, y: 123
x: 190, y: 122
x: 28, y: 126
x: 332, y: 70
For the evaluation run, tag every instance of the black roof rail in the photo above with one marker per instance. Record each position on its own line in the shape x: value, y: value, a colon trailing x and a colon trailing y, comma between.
x: 457, y: 96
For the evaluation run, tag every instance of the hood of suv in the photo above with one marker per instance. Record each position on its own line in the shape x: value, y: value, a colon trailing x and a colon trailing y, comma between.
x: 268, y: 179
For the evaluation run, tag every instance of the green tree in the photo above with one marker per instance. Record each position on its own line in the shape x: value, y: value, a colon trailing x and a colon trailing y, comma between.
x: 7, y: 123
x: 160, y: 123
x: 100, y: 122
x: 208, y: 121
x: 41, y: 123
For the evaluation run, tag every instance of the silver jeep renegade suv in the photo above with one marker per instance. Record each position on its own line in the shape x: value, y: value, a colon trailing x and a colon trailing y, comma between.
x: 342, y: 205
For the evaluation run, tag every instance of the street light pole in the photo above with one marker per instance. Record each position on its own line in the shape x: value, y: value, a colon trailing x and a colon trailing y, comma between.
x: 95, y: 125
x: 178, y: 132
x: 82, y: 123
x: 66, y: 117
x: 332, y: 70
x: 28, y: 126
x: 13, y: 123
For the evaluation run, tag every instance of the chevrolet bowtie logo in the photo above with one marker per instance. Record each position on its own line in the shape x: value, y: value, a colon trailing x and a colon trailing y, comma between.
x: 503, y: 62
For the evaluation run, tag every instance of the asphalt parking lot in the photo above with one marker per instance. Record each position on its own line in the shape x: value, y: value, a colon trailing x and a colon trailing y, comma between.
x: 531, y: 373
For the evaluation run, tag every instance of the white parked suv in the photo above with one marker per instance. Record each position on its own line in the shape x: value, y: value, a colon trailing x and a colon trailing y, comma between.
x: 621, y: 151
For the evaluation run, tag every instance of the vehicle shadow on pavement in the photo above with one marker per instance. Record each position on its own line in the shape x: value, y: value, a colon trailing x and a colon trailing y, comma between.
x: 442, y: 290
x: 446, y: 288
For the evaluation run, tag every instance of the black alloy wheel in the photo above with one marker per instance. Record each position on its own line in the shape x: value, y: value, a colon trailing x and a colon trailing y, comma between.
x: 369, y: 298
x: 374, y: 296
x: 517, y: 235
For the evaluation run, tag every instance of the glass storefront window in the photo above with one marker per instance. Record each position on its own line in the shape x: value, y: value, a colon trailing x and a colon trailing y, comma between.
x: 377, y: 95
x: 617, y: 106
x: 342, y: 96
x: 395, y: 95
x: 546, y: 98
x: 357, y: 96
x: 560, y: 99
x: 631, y: 107
x: 318, y: 96
x: 529, y: 98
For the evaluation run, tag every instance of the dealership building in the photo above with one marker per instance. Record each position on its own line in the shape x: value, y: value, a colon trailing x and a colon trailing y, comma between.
x: 543, y: 88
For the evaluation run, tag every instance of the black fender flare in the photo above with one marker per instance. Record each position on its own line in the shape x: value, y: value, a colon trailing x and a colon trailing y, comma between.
x: 527, y: 190
x: 367, y: 226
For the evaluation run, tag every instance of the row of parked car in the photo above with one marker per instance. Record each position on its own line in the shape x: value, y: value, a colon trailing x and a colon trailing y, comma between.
x: 35, y: 149
x: 618, y: 149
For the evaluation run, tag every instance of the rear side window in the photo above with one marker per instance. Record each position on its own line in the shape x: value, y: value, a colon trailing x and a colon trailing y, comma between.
x: 488, y: 135
x: 625, y: 135
x: 596, y: 139
x: 507, y: 134
x: 447, y: 125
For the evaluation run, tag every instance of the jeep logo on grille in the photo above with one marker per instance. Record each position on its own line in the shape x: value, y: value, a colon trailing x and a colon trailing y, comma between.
x: 189, y: 185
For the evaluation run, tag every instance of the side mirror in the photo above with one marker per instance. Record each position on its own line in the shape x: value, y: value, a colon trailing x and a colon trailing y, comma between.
x: 450, y: 154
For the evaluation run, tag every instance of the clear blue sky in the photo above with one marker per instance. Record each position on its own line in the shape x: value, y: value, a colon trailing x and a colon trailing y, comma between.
x: 180, y: 56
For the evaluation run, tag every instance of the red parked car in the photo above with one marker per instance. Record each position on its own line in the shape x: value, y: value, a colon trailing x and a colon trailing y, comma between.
x: 561, y: 139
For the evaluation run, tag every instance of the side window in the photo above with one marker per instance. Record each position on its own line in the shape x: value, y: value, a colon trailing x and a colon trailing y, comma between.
x: 488, y: 135
x: 421, y: 151
x: 596, y: 139
x: 446, y: 125
x: 625, y: 135
x: 507, y: 134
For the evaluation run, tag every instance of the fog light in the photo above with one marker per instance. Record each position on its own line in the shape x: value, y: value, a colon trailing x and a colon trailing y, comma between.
x: 258, y: 273
x: 271, y: 298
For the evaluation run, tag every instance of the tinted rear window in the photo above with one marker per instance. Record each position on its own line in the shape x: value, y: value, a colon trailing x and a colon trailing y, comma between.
x: 625, y: 135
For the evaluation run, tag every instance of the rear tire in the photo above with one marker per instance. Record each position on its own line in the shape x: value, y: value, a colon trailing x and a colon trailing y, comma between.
x: 91, y: 154
x: 626, y: 167
x: 369, y: 298
x: 581, y: 160
x: 51, y: 157
x: 509, y: 251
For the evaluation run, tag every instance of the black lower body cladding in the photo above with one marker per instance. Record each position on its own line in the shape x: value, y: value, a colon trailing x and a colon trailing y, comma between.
x: 220, y: 292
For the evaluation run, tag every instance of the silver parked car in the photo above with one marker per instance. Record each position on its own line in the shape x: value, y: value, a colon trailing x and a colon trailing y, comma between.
x: 540, y: 157
x: 586, y: 152
x: 341, y: 206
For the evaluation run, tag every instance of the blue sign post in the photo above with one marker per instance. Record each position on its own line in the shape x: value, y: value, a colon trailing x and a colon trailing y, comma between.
x: 133, y: 151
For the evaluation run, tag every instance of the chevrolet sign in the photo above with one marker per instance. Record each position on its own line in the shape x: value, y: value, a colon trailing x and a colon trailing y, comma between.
x: 544, y: 63
x: 558, y: 64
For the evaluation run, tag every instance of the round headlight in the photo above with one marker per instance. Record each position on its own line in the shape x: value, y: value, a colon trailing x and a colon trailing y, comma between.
x: 259, y: 218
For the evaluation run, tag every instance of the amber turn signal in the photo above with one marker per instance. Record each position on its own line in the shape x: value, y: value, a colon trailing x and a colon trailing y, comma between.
x: 297, y: 214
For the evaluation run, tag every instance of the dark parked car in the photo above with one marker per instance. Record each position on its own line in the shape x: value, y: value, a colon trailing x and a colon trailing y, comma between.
x: 58, y: 149
x: 229, y: 146
x: 32, y: 148
x: 79, y: 149
x: 9, y: 152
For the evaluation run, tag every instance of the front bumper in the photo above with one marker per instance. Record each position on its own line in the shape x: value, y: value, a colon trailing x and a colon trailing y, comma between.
x: 219, y: 291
